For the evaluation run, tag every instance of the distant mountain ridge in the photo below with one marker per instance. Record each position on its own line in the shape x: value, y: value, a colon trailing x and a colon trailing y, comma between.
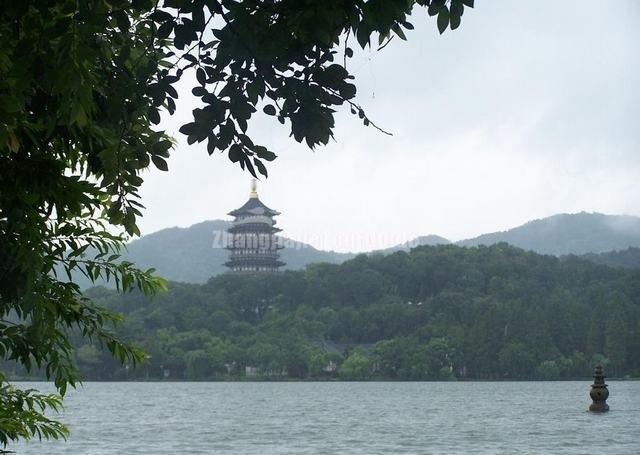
x: 564, y: 234
x: 430, y: 240
x: 196, y: 253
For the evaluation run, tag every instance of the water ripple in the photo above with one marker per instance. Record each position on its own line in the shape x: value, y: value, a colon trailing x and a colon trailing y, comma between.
x: 345, y: 418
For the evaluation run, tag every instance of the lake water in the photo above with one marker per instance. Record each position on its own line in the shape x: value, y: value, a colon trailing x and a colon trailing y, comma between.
x: 345, y: 418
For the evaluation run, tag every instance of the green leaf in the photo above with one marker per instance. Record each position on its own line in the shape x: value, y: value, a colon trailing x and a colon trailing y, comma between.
x: 236, y: 153
x: 171, y: 105
x: 363, y: 34
x: 154, y: 116
x: 265, y: 154
x: 252, y: 93
x: 160, y: 163
x: 398, y: 31
x: 443, y: 19
x: 122, y: 18
x: 212, y: 143
x: 269, y: 109
x: 199, y: 91
x: 455, y: 22
x: 247, y: 162
x: 201, y: 75
x: 261, y: 167
x: 435, y: 8
x: 189, y: 128
x: 456, y: 10
x: 165, y: 30
x: 78, y: 114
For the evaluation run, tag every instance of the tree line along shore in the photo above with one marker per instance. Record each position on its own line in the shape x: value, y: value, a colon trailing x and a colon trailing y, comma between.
x: 435, y: 313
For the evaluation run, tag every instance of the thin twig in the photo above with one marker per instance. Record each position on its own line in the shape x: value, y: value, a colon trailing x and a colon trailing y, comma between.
x: 386, y: 43
x: 346, y: 43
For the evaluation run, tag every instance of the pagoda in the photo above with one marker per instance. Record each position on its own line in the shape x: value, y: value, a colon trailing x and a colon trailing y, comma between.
x: 253, y: 245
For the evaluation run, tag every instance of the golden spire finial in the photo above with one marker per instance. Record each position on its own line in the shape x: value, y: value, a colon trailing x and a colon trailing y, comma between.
x: 254, y: 190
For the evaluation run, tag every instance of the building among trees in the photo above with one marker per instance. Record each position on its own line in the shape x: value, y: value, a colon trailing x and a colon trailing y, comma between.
x: 253, y: 243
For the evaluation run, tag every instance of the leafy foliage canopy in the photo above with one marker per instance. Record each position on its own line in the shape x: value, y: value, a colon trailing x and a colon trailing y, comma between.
x: 82, y: 87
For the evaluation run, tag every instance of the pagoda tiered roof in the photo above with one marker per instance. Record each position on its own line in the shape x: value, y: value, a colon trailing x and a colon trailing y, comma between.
x: 254, y: 206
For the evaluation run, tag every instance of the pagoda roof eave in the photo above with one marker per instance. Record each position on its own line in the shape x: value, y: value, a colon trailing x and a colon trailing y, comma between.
x: 252, y: 204
x: 254, y: 228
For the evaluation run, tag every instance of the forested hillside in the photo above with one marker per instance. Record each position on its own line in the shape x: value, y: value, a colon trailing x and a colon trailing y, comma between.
x: 430, y: 240
x: 435, y: 313
x: 195, y: 254
x: 629, y: 258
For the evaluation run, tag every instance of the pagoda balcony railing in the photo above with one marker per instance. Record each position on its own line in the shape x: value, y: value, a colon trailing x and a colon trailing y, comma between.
x: 254, y: 227
x: 249, y: 264
x: 261, y: 256
x: 254, y: 243
x: 252, y: 247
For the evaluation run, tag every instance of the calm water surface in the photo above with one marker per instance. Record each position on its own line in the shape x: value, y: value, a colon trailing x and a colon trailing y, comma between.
x: 345, y: 418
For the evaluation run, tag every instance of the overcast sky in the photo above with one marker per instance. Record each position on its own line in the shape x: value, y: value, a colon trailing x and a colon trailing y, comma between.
x: 527, y: 110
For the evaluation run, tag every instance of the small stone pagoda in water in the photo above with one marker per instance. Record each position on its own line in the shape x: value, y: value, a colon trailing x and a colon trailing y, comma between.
x: 253, y: 244
x: 599, y: 392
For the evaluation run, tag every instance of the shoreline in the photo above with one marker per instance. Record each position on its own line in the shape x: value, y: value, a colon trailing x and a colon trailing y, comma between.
x: 318, y: 380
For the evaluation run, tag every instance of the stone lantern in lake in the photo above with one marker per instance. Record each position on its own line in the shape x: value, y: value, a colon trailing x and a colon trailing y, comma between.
x: 599, y: 392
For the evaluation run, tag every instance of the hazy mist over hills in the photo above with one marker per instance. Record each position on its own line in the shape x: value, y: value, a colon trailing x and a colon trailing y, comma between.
x: 419, y: 241
x: 629, y: 258
x: 562, y: 234
x: 196, y: 253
